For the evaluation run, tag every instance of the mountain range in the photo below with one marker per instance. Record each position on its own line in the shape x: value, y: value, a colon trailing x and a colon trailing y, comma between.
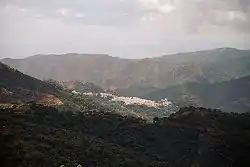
x: 68, y: 129
x: 160, y: 72
x: 210, y: 78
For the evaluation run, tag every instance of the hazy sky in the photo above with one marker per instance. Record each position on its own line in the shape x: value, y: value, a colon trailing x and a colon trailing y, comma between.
x: 125, y: 28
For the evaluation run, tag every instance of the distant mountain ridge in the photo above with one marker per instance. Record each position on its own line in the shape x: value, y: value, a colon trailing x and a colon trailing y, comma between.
x: 215, y: 65
x: 231, y: 96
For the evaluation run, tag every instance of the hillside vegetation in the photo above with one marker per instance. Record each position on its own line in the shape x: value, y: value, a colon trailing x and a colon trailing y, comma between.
x: 43, y: 136
x: 82, y: 87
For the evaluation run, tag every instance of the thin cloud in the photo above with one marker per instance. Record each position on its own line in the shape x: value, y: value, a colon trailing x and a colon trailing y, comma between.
x: 80, y: 15
x: 64, y: 12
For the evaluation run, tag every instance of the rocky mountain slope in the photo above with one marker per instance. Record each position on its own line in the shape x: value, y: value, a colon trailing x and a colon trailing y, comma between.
x: 111, y: 72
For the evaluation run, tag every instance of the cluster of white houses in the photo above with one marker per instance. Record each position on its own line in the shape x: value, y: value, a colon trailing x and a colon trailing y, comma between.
x: 130, y: 100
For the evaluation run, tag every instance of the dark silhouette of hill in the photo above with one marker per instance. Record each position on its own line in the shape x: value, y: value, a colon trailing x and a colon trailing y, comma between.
x: 233, y: 95
x: 111, y: 72
x: 42, y: 136
x: 16, y: 87
x: 11, y: 78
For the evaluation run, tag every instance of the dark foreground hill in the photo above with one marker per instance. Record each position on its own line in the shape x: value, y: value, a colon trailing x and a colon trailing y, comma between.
x: 231, y: 96
x: 111, y: 72
x: 193, y: 137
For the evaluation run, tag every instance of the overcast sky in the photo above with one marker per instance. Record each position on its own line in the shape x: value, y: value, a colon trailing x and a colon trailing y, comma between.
x: 124, y: 28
